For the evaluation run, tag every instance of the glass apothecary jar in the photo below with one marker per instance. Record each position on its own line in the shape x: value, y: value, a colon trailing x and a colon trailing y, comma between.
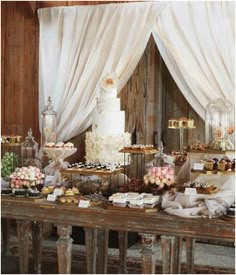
x: 220, y: 125
x: 29, y: 150
x: 161, y: 175
x: 49, y: 124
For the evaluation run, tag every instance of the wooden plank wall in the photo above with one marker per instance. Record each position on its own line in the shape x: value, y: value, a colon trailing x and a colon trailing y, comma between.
x: 19, y: 87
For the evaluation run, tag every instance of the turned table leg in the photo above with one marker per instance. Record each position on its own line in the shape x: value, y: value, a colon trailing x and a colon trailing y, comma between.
x: 64, y: 248
x: 148, y: 254
x: 37, y: 237
x: 123, y: 246
x: 171, y: 254
x: 190, y: 248
x: 102, y: 239
x: 91, y: 249
x: 5, y: 224
x: 23, y: 229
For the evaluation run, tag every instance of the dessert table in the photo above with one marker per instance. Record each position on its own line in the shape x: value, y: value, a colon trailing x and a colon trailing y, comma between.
x: 97, y: 222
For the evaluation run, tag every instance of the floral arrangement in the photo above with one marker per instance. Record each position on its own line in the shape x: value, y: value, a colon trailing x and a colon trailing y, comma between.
x: 26, y: 177
x: 109, y: 82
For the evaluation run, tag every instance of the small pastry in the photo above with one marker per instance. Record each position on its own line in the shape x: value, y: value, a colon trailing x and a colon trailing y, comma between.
x: 69, y: 192
x: 50, y: 145
x: 209, y: 165
x: 63, y: 200
x: 222, y: 165
x: 68, y: 145
x: 75, y: 190
x: 45, y: 190
x: 59, y: 144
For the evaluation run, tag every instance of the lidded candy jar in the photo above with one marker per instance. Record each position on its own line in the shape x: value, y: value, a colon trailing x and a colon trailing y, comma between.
x: 220, y: 125
x: 49, y: 124
x: 161, y: 175
x: 29, y: 149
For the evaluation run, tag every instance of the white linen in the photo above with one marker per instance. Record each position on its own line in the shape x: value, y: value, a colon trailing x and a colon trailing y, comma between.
x: 201, y: 205
x: 80, y: 44
x: 197, y: 42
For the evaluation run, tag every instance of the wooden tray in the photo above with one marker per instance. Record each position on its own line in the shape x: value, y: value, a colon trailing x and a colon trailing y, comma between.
x: 83, y: 171
x: 133, y: 210
x: 212, y: 172
x: 139, y: 151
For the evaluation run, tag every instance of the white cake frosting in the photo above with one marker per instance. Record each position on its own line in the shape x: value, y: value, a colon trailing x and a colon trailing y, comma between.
x: 108, y: 135
x: 105, y: 148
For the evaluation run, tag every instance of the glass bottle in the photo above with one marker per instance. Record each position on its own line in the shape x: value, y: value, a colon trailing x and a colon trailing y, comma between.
x: 29, y: 150
x: 49, y: 124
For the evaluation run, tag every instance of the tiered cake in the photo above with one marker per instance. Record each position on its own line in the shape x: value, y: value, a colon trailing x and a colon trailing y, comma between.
x: 108, y: 127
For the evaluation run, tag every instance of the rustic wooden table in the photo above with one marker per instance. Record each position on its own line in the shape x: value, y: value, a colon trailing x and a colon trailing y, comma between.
x: 98, y: 221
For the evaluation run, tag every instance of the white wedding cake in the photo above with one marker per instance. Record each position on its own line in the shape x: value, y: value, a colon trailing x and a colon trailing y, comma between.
x: 108, y: 127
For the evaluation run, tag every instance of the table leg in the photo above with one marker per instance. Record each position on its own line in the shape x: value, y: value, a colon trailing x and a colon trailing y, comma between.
x: 37, y: 237
x: 102, y: 239
x: 190, y: 248
x: 123, y: 245
x: 91, y: 249
x: 171, y: 254
x: 6, y: 224
x: 64, y: 248
x: 148, y: 254
x: 23, y: 229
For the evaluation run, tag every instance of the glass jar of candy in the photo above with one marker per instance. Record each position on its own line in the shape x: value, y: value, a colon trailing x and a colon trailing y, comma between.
x: 160, y: 175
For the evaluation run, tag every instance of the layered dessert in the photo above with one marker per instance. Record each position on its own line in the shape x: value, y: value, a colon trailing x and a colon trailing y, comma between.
x: 108, y: 134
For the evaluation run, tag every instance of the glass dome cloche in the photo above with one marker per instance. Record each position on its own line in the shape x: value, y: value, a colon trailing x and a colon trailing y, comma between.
x: 220, y: 125
x: 49, y: 124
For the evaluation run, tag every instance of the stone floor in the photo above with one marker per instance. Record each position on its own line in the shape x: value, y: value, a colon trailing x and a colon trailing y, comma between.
x: 209, y: 258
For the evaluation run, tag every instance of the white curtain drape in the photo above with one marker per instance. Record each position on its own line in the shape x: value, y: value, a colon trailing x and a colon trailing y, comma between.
x: 80, y: 44
x: 197, y: 42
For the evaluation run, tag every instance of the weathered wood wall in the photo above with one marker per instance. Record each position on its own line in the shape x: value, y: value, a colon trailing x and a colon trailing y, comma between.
x: 19, y: 87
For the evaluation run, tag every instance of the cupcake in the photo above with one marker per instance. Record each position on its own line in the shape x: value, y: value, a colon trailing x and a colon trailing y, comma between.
x: 69, y: 145
x: 59, y: 144
x: 209, y: 164
x: 190, y: 123
x: 69, y: 192
x: 222, y: 164
x: 183, y: 122
x: 171, y: 123
x: 50, y: 145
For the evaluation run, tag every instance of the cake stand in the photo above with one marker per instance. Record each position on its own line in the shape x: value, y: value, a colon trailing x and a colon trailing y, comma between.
x: 57, y: 155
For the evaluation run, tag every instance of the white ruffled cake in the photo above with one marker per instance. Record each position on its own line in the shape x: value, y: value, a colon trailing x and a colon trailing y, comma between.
x: 108, y: 134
